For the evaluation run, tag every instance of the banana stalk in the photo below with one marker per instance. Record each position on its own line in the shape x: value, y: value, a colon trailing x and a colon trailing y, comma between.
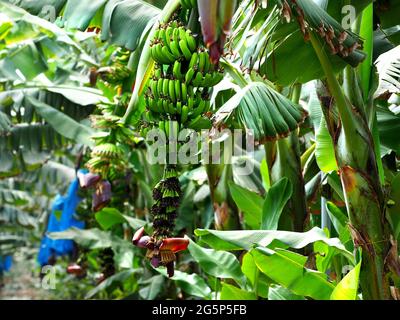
x: 216, y: 19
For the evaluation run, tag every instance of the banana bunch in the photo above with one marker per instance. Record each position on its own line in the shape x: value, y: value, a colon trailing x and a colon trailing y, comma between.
x: 108, y: 157
x: 177, y: 97
x: 179, y: 89
x: 172, y: 41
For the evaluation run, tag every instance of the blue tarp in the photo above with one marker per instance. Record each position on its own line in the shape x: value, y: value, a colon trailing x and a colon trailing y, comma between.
x: 67, y: 205
x: 5, y: 263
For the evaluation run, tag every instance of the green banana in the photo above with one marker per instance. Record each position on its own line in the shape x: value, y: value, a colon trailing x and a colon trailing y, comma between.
x: 185, y: 50
x: 168, y: 35
x: 190, y: 41
x: 184, y: 92
x: 202, y: 61
x: 174, y: 47
x: 208, y: 80
x: 177, y: 70
x: 198, y: 80
x: 178, y: 93
x: 179, y: 107
x: 189, y: 75
x: 171, y: 90
x: 165, y: 105
x: 193, y: 60
x: 159, y: 87
x: 185, y: 114
x: 168, y: 56
x: 160, y: 106
x: 165, y: 89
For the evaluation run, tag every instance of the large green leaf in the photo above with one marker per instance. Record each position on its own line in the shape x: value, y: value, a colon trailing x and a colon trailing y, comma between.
x: 249, y: 202
x: 122, y: 21
x: 388, y: 124
x: 109, y: 217
x: 288, y: 269
x: 230, y: 292
x: 347, y: 288
x: 276, y: 292
x: 286, y: 52
x: 90, y: 238
x: 258, y: 280
x: 153, y: 287
x: 119, y: 277
x: 63, y: 124
x: 192, y: 284
x: 219, y: 264
x: 247, y: 239
x: 324, y: 150
x: 275, y: 201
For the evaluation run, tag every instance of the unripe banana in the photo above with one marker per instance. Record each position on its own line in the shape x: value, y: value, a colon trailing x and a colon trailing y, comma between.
x: 178, y: 93
x: 171, y: 90
x: 167, y: 55
x: 198, y: 80
x: 184, y: 92
x: 189, y: 75
x: 193, y: 60
x: 208, y: 80
x: 159, y: 88
x: 202, y: 61
x: 177, y: 70
x: 175, y: 49
x: 179, y: 107
x: 185, y: 50
x: 165, y: 89
x: 190, y: 41
x: 185, y: 114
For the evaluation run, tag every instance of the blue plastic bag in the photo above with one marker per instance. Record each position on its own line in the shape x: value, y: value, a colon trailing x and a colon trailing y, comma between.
x: 5, y: 263
x: 67, y: 205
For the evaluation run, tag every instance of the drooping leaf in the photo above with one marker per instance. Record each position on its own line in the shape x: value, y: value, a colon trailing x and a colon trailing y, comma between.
x: 119, y: 277
x: 153, y: 287
x: 220, y: 264
x: 63, y: 124
x: 275, y: 201
x: 90, y: 238
x: 258, y: 280
x: 109, y: 217
x: 288, y: 269
x: 249, y: 202
x: 276, y: 292
x: 347, y: 288
x: 230, y: 292
x: 247, y: 239
x: 192, y: 284
x: 324, y: 151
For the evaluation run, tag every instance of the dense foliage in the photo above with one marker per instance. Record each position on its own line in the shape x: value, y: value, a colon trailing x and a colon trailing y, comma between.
x: 303, y: 202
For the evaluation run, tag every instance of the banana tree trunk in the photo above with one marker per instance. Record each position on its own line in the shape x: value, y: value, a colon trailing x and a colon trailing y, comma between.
x: 364, y: 201
x: 354, y: 152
